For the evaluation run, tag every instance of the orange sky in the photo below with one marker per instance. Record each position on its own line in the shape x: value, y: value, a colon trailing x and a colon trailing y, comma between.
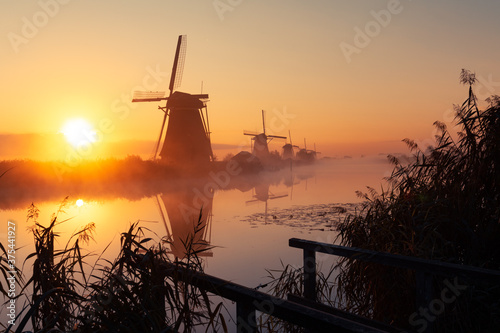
x: 352, y: 77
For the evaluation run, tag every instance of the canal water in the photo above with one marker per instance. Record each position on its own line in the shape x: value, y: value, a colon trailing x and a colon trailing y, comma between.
x: 247, y: 224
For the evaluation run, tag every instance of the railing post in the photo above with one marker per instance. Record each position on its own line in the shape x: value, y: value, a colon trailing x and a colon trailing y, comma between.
x: 245, y: 318
x: 310, y: 275
x: 424, y: 294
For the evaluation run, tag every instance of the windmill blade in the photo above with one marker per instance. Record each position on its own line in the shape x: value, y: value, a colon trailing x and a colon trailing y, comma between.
x: 252, y: 202
x: 250, y: 133
x: 278, y: 196
x: 148, y: 96
x: 161, y: 134
x: 263, y: 122
x: 277, y: 137
x: 178, y: 67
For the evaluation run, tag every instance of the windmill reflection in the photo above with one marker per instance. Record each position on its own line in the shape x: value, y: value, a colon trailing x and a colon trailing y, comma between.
x: 263, y: 194
x: 188, y: 211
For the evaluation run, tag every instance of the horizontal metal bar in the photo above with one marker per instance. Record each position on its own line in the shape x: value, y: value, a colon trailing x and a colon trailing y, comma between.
x: 396, y: 260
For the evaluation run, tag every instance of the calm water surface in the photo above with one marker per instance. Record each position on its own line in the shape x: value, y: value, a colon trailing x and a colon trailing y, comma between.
x: 248, y: 226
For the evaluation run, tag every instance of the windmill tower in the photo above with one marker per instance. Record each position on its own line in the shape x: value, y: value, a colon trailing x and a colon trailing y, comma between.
x: 288, y: 152
x: 260, y: 141
x: 187, y: 138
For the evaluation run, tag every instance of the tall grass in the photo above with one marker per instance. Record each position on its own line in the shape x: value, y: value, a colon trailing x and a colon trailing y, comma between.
x: 289, y: 280
x: 442, y: 205
x: 58, y: 274
x: 132, y: 293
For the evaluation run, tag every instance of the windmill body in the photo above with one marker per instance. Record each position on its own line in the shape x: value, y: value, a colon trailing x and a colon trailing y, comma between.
x: 260, y: 147
x: 187, y: 139
x: 288, y: 152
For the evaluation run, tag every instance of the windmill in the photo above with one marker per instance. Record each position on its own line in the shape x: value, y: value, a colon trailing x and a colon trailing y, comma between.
x: 288, y: 152
x: 315, y: 152
x: 260, y: 141
x: 307, y: 155
x: 187, y: 138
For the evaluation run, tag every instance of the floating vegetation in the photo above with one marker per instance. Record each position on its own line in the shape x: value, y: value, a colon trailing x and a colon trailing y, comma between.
x: 321, y: 217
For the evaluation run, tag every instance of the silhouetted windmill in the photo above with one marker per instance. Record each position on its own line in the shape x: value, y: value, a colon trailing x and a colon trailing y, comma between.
x: 288, y: 152
x: 314, y: 152
x: 260, y: 141
x: 187, y: 139
x: 307, y: 155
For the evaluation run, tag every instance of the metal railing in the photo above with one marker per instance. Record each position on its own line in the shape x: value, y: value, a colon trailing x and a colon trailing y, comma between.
x: 248, y: 301
x: 424, y: 269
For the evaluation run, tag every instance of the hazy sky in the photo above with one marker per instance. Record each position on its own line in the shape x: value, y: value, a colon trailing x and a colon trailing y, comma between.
x: 335, y: 72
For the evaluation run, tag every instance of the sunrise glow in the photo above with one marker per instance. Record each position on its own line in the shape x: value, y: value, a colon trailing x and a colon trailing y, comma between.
x: 79, y: 132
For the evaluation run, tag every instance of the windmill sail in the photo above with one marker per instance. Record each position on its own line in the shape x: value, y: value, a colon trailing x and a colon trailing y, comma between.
x: 148, y: 96
x: 178, y: 67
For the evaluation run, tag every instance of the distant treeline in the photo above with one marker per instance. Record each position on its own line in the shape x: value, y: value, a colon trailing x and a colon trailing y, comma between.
x: 132, y: 176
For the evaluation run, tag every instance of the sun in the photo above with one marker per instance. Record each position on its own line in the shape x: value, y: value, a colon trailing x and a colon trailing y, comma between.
x: 79, y: 132
x: 79, y: 202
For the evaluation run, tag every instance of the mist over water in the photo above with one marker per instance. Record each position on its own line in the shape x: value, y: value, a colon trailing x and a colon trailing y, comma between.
x: 132, y: 179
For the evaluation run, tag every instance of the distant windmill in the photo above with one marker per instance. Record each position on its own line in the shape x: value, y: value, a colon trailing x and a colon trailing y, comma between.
x: 187, y: 139
x: 307, y: 155
x: 315, y: 152
x: 260, y: 141
x: 288, y: 152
